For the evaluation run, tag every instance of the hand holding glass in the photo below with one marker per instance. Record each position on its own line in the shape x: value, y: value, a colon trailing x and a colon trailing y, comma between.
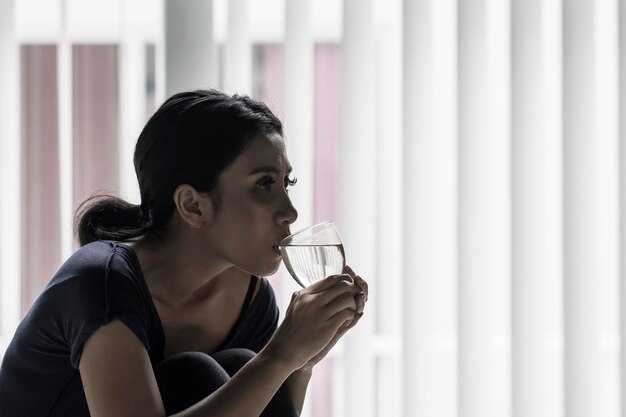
x: 313, y: 253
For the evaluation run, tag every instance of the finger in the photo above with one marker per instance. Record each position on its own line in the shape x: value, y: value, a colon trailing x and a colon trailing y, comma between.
x: 360, y: 302
x: 356, y: 279
x: 338, y: 335
x: 363, y: 285
x: 337, y: 290
x: 342, y: 302
x: 349, y: 271
x: 347, y: 326
x: 344, y: 316
x: 357, y: 317
x: 326, y: 283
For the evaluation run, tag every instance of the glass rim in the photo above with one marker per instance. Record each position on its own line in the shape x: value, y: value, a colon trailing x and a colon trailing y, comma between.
x: 306, y: 229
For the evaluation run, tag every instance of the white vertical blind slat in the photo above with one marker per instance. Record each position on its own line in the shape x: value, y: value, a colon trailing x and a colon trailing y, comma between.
x: 357, y: 195
x: 590, y: 208
x: 622, y: 197
x: 430, y: 187
x: 65, y: 88
x: 389, y: 149
x: 190, y: 53
x: 581, y: 376
x: 484, y: 209
x: 388, y: 299
x: 238, y: 51
x: 160, y: 44
x: 298, y: 105
x: 297, y: 115
x: 10, y: 158
x: 606, y: 275
x: 132, y: 109
x: 536, y: 210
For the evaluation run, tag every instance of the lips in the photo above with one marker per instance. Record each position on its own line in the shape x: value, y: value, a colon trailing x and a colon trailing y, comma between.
x: 276, y: 248
x: 280, y: 240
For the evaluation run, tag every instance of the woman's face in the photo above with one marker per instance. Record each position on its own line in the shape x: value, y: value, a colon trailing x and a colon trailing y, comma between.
x: 256, y: 211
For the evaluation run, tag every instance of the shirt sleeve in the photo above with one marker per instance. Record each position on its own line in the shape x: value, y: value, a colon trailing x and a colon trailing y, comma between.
x: 93, y: 298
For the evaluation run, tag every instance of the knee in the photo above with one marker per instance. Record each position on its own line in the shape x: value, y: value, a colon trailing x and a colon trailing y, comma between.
x: 196, y: 366
x: 242, y: 354
x: 186, y: 378
x: 189, y: 359
x: 232, y: 360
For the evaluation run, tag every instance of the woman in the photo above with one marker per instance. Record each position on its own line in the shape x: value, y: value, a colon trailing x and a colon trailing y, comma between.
x: 160, y: 312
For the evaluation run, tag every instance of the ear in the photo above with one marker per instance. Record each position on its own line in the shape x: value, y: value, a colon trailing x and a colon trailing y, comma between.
x: 193, y: 208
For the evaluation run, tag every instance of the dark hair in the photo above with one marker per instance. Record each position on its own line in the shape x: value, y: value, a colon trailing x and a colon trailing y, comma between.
x: 190, y: 139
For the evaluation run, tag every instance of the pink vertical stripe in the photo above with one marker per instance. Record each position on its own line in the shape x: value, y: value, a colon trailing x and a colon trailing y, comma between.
x: 273, y: 78
x: 327, y: 131
x: 40, y: 228
x: 95, y: 120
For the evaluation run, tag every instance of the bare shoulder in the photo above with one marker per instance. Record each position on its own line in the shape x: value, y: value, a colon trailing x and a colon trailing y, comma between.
x: 117, y: 375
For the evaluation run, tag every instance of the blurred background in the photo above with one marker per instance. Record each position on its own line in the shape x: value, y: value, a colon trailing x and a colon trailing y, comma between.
x: 469, y: 151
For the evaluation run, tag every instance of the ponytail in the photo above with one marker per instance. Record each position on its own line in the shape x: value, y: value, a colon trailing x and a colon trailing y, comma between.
x: 109, y: 218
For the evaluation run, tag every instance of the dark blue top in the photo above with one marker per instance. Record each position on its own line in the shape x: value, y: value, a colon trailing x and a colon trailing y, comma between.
x: 99, y: 283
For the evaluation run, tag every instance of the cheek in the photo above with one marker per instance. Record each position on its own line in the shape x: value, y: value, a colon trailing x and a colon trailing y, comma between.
x: 246, y: 229
x: 254, y: 250
x: 249, y: 214
x: 235, y: 217
x: 240, y: 230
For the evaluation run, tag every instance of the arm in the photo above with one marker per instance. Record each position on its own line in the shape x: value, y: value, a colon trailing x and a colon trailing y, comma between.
x: 297, y: 384
x: 118, y: 380
x: 257, y: 382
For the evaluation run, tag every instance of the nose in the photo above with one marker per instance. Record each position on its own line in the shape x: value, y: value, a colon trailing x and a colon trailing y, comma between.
x: 288, y: 214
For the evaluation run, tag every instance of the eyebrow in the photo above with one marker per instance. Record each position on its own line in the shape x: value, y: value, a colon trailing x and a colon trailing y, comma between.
x: 268, y: 169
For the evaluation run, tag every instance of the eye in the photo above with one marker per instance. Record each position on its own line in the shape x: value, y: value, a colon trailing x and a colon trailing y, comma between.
x: 266, y: 183
x: 290, y: 182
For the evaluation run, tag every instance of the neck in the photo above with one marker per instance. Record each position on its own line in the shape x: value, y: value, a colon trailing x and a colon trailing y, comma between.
x: 177, y: 268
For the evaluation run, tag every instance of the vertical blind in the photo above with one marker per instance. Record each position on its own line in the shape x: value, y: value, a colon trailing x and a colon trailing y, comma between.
x: 469, y: 151
x: 537, y: 201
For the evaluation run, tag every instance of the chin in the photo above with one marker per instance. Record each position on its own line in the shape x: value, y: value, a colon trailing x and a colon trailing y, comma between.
x: 264, y: 269
x: 268, y: 268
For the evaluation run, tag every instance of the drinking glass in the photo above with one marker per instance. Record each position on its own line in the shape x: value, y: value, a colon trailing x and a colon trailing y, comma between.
x: 313, y: 253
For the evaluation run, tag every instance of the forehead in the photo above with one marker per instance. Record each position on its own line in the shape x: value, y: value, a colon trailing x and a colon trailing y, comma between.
x: 263, y: 151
